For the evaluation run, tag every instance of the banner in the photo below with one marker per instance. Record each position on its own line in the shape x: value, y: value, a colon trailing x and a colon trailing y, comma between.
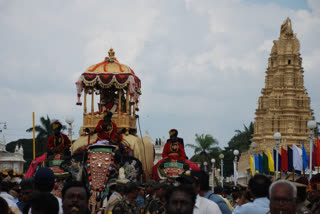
x: 284, y: 160
x: 297, y: 157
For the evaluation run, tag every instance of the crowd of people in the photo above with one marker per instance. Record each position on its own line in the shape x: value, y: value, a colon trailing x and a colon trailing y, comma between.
x: 189, y: 193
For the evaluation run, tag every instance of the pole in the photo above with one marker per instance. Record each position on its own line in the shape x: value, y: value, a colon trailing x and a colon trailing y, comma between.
x: 212, y: 177
x: 277, y: 159
x: 222, y: 172
x: 235, y: 170
x: 34, y: 137
x: 310, y: 150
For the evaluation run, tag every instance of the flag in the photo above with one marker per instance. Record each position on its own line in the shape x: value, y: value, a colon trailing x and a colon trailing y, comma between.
x: 270, y: 162
x: 256, y: 163
x: 275, y: 160
x: 284, y: 160
x: 314, y: 156
x: 290, y: 159
x: 305, y: 158
x: 297, y: 157
x: 318, y: 151
x: 235, y: 172
x: 265, y: 164
x: 251, y: 165
x: 260, y: 164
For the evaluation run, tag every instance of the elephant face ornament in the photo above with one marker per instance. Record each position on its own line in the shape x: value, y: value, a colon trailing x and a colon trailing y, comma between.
x: 98, y: 165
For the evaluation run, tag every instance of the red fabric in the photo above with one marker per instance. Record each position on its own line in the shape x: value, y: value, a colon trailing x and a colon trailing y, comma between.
x: 34, y: 164
x: 173, y: 151
x: 314, y: 156
x: 106, y: 135
x: 59, y: 149
x: 284, y: 160
x: 318, y: 151
x: 155, y: 175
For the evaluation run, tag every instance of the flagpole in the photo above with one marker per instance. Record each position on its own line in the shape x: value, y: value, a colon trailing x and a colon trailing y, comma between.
x: 293, y: 172
x: 311, y: 125
x: 277, y: 137
x: 34, y: 137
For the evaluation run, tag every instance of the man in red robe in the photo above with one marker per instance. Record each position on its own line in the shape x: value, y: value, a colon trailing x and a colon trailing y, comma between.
x: 106, y: 129
x: 173, y: 149
x: 58, y: 143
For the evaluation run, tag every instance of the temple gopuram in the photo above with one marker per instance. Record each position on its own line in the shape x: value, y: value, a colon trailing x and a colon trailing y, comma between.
x: 284, y: 105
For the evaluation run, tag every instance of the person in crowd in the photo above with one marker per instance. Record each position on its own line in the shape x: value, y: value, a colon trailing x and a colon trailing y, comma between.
x: 157, y: 204
x: 44, y: 182
x: 4, y: 189
x: 58, y: 143
x: 4, y: 208
x: 26, y: 195
x: 219, y: 191
x: 112, y: 188
x: 258, y: 187
x: 282, y: 196
x: 149, y: 191
x: 44, y: 203
x: 119, y: 193
x: 75, y: 197
x: 206, y: 193
x: 180, y: 200
x: 235, y: 195
x: 314, y: 194
x: 302, y: 185
x: 140, y: 198
x: 128, y: 203
x: 202, y: 205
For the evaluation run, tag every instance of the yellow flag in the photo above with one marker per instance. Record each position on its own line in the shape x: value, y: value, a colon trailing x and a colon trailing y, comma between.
x: 270, y: 162
x: 251, y: 165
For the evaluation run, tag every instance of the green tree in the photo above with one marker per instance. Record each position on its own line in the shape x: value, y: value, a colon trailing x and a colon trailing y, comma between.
x: 242, y: 139
x: 206, y: 147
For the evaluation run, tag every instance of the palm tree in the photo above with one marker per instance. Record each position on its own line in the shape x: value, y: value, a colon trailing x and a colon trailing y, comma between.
x: 45, y: 129
x: 206, y: 148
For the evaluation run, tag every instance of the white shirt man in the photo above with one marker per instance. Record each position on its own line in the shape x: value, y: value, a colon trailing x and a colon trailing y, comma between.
x: 205, y: 206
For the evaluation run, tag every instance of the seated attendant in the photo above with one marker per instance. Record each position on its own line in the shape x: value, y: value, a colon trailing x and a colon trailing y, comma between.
x: 106, y: 129
x: 58, y: 143
x: 174, y: 147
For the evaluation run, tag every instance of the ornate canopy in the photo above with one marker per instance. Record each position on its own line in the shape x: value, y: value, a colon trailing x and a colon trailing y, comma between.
x: 110, y: 73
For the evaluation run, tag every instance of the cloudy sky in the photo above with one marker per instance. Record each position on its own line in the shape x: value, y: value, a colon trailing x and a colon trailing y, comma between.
x: 202, y: 63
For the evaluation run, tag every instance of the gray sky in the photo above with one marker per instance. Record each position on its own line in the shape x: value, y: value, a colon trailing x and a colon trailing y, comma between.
x: 202, y: 63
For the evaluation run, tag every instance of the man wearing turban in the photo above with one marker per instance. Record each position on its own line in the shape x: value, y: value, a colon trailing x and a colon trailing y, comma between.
x: 58, y: 143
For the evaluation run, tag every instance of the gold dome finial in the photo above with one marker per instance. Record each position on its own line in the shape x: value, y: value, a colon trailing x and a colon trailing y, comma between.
x: 111, y: 53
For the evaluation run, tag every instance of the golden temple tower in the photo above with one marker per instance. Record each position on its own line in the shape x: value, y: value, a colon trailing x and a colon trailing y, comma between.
x: 284, y: 105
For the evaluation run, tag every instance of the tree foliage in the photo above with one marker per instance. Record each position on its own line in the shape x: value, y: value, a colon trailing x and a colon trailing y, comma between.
x: 240, y: 141
x: 205, y: 148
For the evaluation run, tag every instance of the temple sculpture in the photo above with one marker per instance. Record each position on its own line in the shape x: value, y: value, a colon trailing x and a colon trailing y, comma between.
x: 284, y: 105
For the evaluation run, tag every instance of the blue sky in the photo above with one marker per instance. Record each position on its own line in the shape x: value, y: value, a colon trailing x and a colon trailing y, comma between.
x: 202, y: 63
